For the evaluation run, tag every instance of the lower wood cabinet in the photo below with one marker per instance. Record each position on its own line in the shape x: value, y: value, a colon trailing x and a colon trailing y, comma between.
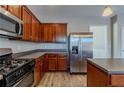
x: 62, y: 64
x: 56, y: 62
x: 52, y: 64
x: 38, y: 71
x: 49, y: 62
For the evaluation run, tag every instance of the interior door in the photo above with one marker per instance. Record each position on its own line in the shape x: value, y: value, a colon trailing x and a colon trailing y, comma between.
x: 100, y: 41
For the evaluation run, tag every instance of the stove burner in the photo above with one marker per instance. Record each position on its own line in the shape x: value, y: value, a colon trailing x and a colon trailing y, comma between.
x: 9, y: 65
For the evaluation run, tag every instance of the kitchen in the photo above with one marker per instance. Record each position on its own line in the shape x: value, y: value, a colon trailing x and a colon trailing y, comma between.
x: 41, y: 44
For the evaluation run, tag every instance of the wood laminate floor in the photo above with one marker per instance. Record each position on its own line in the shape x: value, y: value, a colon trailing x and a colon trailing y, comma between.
x: 63, y: 79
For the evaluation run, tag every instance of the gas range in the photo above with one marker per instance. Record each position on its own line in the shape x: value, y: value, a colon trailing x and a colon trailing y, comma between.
x: 8, y: 66
x: 15, y: 72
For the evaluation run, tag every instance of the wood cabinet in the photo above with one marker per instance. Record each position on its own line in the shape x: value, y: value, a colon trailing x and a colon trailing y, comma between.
x: 49, y: 33
x: 46, y: 62
x: 37, y: 74
x: 4, y: 6
x: 62, y: 62
x: 54, y: 32
x: 39, y: 70
x: 31, y: 27
x: 35, y: 29
x: 27, y: 19
x: 15, y: 10
x: 98, y: 76
x: 61, y: 32
x: 51, y: 64
x: 52, y: 59
x: 56, y: 62
x: 41, y: 33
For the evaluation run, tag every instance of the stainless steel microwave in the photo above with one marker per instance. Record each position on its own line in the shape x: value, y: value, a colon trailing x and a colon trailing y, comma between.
x: 10, y: 25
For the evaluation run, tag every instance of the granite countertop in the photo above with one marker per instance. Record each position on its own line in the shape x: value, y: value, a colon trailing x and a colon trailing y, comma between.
x: 32, y: 55
x: 111, y: 66
x: 36, y: 55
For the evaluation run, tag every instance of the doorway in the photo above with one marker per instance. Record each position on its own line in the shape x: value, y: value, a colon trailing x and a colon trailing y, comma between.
x: 100, y: 46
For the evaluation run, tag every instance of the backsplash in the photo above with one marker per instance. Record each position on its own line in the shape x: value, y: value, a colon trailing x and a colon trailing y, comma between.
x: 21, y: 46
x: 52, y: 46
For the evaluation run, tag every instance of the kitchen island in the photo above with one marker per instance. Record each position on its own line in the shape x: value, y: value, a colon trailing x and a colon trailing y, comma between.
x: 105, y: 72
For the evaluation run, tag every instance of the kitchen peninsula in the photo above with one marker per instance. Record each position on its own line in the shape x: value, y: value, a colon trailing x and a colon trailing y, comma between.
x: 105, y: 72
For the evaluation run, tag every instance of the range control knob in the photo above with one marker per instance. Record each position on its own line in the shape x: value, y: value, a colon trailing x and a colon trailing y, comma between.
x: 1, y: 77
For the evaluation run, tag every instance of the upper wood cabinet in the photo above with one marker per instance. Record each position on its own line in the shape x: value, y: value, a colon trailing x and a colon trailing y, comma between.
x: 61, y: 32
x: 15, y: 10
x: 26, y: 17
x: 35, y: 29
x: 41, y: 33
x: 4, y: 6
x: 49, y: 32
x: 54, y: 32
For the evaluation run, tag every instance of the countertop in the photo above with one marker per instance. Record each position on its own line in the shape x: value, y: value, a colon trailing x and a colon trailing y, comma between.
x: 36, y: 55
x: 111, y: 66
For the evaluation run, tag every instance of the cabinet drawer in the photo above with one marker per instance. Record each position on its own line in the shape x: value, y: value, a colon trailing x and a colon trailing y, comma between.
x: 117, y: 80
x: 62, y: 55
x: 52, y: 55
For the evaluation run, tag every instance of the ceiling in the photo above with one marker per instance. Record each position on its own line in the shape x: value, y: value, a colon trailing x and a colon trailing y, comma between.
x: 70, y: 11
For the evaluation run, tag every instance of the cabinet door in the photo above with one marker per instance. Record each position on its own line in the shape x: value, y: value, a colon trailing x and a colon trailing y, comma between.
x: 26, y: 17
x: 37, y: 72
x: 53, y: 33
x: 41, y: 34
x: 61, y: 32
x: 38, y: 31
x: 35, y: 29
x: 52, y: 64
x: 62, y: 62
x: 15, y: 9
x: 49, y: 32
x: 4, y: 7
x: 46, y: 62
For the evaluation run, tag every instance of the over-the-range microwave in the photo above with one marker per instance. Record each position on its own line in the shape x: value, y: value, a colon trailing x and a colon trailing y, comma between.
x: 10, y: 25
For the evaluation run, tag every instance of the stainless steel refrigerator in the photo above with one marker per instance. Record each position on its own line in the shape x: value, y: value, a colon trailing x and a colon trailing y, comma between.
x: 80, y: 48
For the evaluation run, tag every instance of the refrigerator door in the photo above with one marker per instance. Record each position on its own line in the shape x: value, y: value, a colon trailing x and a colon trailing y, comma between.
x: 86, y: 51
x: 74, y: 53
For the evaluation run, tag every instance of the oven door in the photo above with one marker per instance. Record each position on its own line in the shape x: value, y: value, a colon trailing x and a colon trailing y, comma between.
x: 26, y: 81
